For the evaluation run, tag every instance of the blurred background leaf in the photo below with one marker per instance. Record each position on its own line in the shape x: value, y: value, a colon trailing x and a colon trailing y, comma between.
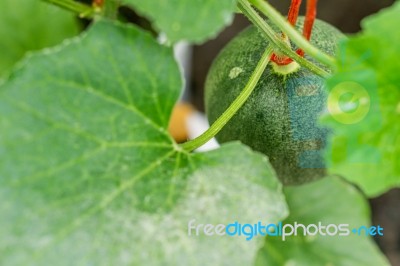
x: 28, y: 25
x: 330, y: 201
x: 194, y: 21
x: 365, y: 148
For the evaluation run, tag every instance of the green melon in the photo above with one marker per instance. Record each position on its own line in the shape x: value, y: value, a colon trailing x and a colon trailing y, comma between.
x: 280, y: 118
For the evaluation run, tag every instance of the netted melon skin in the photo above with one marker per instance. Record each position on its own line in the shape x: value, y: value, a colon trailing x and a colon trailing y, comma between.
x: 280, y: 118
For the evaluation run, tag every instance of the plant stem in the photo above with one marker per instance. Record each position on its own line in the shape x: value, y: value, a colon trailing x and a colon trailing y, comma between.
x: 269, y: 33
x: 296, y: 37
x: 234, y: 107
x: 82, y: 9
x: 110, y: 9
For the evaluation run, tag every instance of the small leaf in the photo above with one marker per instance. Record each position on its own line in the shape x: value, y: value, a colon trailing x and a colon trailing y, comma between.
x: 90, y: 176
x: 27, y: 25
x: 329, y: 201
x: 364, y: 105
x: 194, y: 21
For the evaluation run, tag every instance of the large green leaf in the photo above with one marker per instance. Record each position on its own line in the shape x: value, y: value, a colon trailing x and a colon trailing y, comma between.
x: 329, y: 201
x: 194, y: 20
x: 364, y: 106
x: 90, y: 176
x: 27, y: 25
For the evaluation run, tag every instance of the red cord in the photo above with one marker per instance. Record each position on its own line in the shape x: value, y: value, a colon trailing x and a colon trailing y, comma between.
x: 311, y: 14
x: 283, y: 61
x: 294, y: 11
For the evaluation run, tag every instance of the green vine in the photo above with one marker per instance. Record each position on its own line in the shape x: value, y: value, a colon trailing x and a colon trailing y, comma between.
x: 234, y: 107
x: 272, y: 36
x: 296, y: 37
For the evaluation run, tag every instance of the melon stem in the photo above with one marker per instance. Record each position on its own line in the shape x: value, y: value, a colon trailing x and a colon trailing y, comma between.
x: 276, y: 41
x: 293, y: 34
x: 293, y: 14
